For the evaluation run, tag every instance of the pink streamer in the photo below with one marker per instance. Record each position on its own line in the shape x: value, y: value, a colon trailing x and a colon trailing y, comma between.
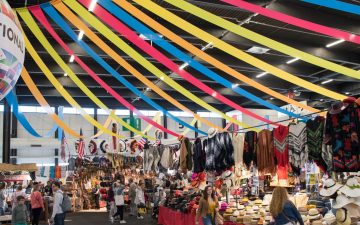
x: 37, y: 12
x: 332, y: 32
x: 146, y: 47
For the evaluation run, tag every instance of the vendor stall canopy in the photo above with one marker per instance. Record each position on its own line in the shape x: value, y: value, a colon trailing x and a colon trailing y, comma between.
x: 308, y: 52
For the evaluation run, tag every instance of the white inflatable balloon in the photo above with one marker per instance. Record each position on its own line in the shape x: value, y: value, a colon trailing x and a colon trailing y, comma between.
x: 12, y: 49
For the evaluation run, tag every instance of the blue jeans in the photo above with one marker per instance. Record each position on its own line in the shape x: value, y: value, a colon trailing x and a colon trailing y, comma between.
x: 208, y: 220
x: 59, y: 219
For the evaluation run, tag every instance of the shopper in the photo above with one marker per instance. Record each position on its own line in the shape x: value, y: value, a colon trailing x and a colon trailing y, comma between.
x: 2, y: 198
x: 111, y: 202
x: 58, y: 216
x: 17, y: 193
x: 140, y: 198
x: 119, y: 188
x: 37, y: 204
x: 20, y: 213
x: 132, y: 196
x: 283, y: 211
x: 208, y: 206
x: 96, y: 195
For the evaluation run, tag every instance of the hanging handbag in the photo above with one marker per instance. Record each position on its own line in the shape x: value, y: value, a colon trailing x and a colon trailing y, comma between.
x: 119, y: 200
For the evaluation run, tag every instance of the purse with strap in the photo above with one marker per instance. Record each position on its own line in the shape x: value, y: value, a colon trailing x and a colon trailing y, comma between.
x: 291, y: 222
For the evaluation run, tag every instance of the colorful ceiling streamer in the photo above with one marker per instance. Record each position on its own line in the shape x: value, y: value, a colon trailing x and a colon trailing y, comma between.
x: 36, y: 11
x: 338, y: 5
x: 203, y: 55
x: 134, y: 38
x: 67, y: 29
x: 318, y: 28
x: 43, y: 103
x: 118, y: 42
x: 61, y: 89
x: 253, y: 36
x: 12, y: 100
x: 208, y: 38
x: 30, y: 22
x: 110, y: 20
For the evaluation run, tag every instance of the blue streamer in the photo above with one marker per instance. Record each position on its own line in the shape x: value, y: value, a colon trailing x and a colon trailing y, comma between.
x: 61, y: 116
x: 338, y: 5
x: 139, y: 27
x: 12, y: 100
x: 47, y: 7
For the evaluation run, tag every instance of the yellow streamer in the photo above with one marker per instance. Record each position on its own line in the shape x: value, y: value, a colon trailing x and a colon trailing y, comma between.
x: 204, y: 56
x: 155, y: 119
x: 117, y: 41
x: 30, y: 22
x: 241, y: 31
x: 94, y: 22
x: 237, y: 53
x: 61, y: 89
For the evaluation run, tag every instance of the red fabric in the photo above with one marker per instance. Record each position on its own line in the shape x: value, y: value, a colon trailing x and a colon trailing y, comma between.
x: 281, y: 146
x: 282, y: 172
x: 170, y: 217
x: 57, y: 172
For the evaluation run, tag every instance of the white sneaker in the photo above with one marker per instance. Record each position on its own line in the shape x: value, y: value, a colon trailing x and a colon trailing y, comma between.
x: 140, y: 217
x: 122, y: 221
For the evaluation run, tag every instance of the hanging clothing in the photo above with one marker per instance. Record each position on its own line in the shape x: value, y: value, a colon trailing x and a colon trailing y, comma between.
x: 326, y: 155
x: 249, y: 147
x: 185, y: 155
x: 342, y: 131
x: 281, y: 145
x: 238, y: 143
x: 298, y: 152
x: 199, y: 156
x: 219, y: 152
x: 265, y: 152
x: 314, y: 130
x: 166, y: 158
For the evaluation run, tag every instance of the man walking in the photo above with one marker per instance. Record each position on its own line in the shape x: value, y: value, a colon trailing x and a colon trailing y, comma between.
x: 58, y: 216
x: 132, y: 195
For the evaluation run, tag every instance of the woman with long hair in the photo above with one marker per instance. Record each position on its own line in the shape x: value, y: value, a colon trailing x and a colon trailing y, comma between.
x: 283, y: 210
x: 37, y: 204
x: 119, y: 189
x: 208, y: 206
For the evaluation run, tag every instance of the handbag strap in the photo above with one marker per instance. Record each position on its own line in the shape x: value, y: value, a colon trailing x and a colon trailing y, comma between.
x: 291, y: 221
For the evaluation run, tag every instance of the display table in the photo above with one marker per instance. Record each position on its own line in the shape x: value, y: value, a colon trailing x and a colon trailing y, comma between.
x: 170, y: 217
x: 5, y: 219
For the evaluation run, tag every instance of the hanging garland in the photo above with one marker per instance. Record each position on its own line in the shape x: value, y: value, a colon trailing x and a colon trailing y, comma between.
x: 338, y: 5
x: 165, y: 14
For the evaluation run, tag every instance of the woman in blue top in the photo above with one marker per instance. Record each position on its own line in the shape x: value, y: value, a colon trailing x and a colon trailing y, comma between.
x: 283, y: 211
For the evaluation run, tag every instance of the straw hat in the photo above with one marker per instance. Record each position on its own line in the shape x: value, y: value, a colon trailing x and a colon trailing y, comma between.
x: 255, y: 208
x: 317, y: 222
x: 212, y: 132
x: 352, y: 188
x: 236, y: 213
x: 330, y: 218
x: 258, y: 202
x: 330, y: 187
x: 342, y: 217
x: 342, y: 200
x: 314, y: 214
x: 241, y: 207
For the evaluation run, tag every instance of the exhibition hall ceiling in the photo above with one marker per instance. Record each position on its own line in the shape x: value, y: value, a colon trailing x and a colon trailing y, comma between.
x: 346, y: 54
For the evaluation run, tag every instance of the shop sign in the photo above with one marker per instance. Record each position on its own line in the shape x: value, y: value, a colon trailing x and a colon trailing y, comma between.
x: 134, y: 122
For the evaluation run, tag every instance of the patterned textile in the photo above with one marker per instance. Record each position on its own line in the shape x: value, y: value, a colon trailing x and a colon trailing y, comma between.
x: 298, y: 152
x: 342, y: 131
x: 326, y: 155
x: 238, y: 143
x: 315, y: 129
x: 281, y: 145
x: 249, y: 148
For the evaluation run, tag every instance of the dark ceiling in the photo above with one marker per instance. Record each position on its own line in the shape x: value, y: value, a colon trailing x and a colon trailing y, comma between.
x: 346, y: 54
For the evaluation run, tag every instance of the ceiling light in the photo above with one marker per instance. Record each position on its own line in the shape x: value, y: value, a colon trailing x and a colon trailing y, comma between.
x: 271, y: 98
x: 214, y: 94
x: 81, y: 35
x: 148, y: 89
x: 321, y: 100
x: 209, y: 45
x: 92, y: 5
x: 65, y: 74
x: 257, y: 50
x: 292, y: 60
x: 335, y: 43
x: 327, y: 81
x: 347, y: 93
x: 162, y: 78
x: 72, y: 58
x: 183, y: 66
x: 235, y: 85
x: 261, y: 74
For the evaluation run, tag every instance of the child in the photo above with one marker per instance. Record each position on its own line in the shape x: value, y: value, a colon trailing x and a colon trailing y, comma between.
x: 20, y: 214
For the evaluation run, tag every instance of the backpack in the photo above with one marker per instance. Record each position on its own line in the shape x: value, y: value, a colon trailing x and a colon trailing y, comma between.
x: 66, y: 203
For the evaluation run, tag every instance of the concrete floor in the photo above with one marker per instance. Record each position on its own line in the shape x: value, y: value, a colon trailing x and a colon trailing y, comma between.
x: 100, y: 217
